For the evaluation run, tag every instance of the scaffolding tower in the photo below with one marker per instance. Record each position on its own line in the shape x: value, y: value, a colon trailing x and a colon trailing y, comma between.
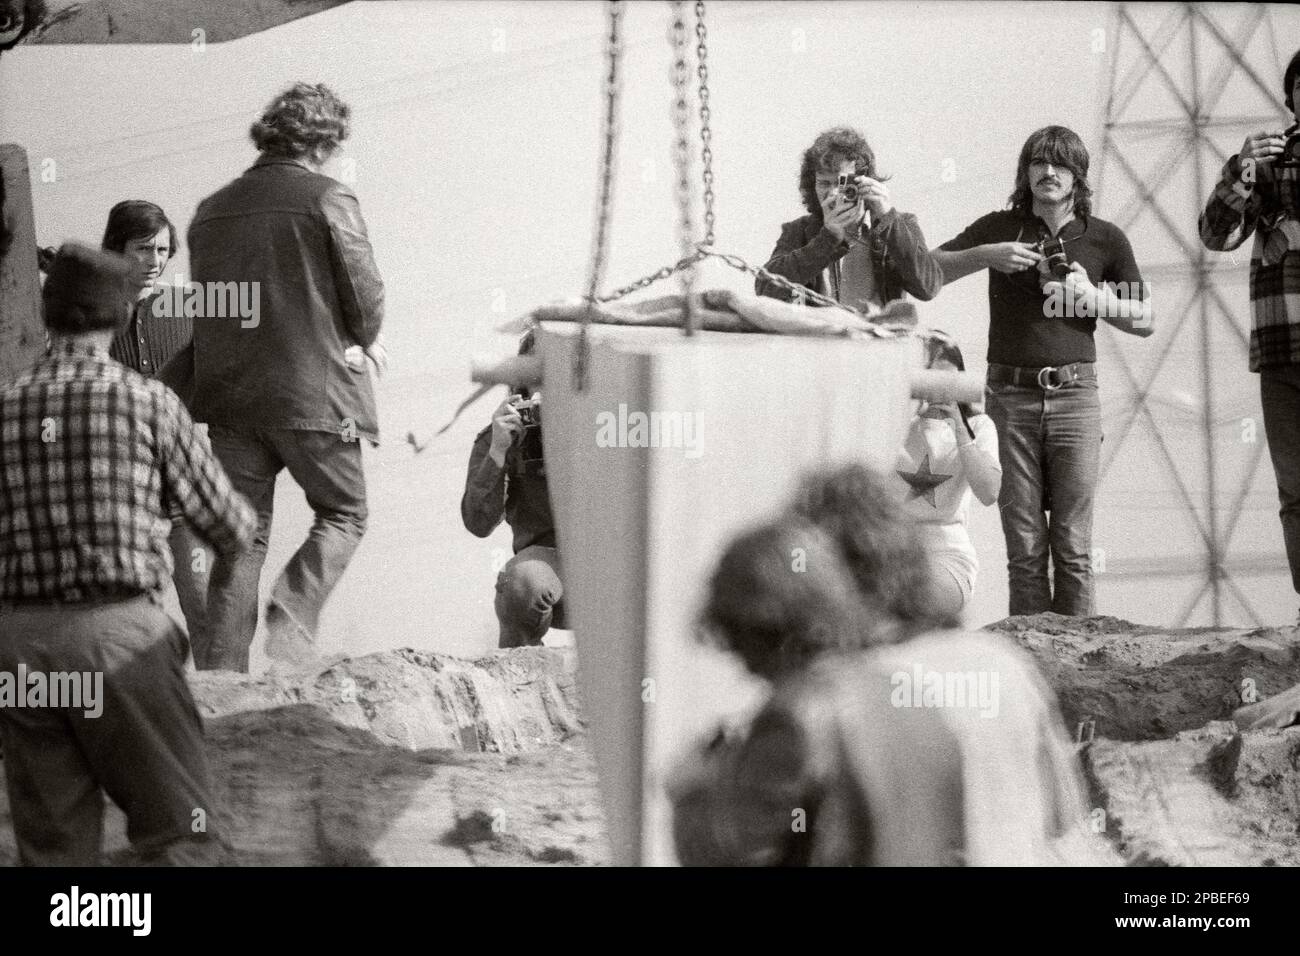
x: 1187, y: 84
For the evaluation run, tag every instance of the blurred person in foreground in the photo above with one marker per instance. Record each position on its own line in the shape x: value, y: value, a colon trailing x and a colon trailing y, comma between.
x: 94, y: 453
x: 950, y: 454
x: 887, y: 739
x: 286, y: 390
x: 853, y: 244
x: 1259, y: 192
x: 507, y: 480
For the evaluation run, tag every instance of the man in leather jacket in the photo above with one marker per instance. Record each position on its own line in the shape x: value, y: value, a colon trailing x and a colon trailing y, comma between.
x: 279, y: 391
x: 853, y: 245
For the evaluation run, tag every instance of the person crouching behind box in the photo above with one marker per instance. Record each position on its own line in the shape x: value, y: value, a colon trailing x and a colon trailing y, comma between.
x: 507, y: 479
x: 90, y: 451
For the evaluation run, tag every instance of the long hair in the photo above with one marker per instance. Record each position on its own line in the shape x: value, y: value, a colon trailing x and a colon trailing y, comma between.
x: 827, y: 152
x: 1061, y: 147
x: 305, y: 121
x: 134, y: 219
x: 880, y: 544
x: 1288, y: 80
x: 937, y: 350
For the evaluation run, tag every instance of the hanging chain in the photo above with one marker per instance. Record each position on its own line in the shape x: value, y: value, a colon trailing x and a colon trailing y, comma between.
x: 682, y: 164
x: 600, y: 246
x: 706, y: 133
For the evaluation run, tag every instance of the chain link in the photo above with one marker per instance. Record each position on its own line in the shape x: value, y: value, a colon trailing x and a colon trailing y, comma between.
x: 600, y: 246
x: 682, y: 164
x: 706, y: 133
x: 878, y: 329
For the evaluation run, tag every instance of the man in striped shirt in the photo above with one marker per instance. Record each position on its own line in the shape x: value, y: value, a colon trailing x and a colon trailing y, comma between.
x: 90, y: 452
x: 1259, y: 192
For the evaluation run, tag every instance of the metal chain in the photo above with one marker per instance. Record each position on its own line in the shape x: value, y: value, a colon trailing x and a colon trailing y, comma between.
x: 682, y: 164
x: 706, y: 133
x: 878, y: 329
x: 600, y: 245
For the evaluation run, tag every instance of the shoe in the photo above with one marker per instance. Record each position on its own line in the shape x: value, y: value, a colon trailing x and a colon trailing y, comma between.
x: 289, y: 645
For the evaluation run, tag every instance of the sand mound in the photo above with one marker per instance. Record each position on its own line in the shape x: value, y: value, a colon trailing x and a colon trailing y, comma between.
x: 409, y: 757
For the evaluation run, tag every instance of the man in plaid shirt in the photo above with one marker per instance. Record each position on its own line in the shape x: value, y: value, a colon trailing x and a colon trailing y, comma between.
x: 1259, y: 192
x: 90, y: 450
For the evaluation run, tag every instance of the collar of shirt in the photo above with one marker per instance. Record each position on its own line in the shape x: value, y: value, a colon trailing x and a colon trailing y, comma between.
x: 62, y: 346
x: 268, y: 160
x: 1033, y: 226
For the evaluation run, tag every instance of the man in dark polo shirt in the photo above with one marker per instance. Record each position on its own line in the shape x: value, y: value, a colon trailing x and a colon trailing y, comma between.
x: 1054, y: 269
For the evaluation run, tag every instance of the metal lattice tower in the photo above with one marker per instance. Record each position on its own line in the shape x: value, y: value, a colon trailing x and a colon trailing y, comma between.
x: 1187, y: 84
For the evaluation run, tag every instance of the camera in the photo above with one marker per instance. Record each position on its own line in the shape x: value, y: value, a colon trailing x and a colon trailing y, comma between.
x: 1290, y: 158
x: 847, y: 189
x: 528, y: 455
x: 529, y: 409
x: 1053, y: 251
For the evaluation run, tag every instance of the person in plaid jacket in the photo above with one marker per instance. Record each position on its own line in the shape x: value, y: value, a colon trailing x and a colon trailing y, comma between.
x: 1259, y: 192
x: 92, y: 455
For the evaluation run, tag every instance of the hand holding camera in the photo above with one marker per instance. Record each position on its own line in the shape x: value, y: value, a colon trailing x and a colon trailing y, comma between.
x: 1265, y: 147
x: 507, y: 429
x: 840, y: 216
x: 1012, y: 257
x: 1075, y: 284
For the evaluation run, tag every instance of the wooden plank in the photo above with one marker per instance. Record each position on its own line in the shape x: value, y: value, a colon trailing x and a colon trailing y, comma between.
x: 22, y: 332
x: 149, y: 21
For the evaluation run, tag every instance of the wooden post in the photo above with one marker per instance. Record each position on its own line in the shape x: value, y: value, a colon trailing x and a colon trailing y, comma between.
x: 22, y: 331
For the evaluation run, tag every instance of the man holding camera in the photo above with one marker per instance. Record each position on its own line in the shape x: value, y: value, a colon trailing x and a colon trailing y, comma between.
x: 1054, y: 269
x: 853, y: 245
x: 507, y: 479
x: 1259, y: 192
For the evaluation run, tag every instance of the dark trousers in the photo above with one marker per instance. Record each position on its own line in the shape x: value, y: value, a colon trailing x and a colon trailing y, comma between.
x: 144, y: 748
x: 529, y: 595
x: 192, y: 561
x: 1279, y: 392
x: 328, y: 469
x: 1049, y: 445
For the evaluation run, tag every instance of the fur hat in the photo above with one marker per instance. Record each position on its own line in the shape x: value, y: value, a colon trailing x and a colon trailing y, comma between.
x: 85, y: 290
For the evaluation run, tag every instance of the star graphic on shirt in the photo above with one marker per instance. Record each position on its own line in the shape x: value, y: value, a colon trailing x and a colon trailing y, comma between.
x: 923, y: 482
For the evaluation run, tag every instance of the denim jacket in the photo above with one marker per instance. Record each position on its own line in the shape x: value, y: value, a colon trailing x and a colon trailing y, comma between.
x: 808, y: 253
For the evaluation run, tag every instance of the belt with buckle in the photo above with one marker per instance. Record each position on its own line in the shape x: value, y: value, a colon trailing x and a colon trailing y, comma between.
x: 1049, y: 378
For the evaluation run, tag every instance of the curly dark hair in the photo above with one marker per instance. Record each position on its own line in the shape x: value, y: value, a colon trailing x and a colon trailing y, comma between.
x: 1061, y: 147
x: 782, y: 595
x: 137, y: 219
x: 827, y: 152
x: 305, y: 121
x: 864, y: 515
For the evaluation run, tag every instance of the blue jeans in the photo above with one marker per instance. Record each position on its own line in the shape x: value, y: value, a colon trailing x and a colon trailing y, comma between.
x: 529, y: 594
x: 1279, y: 392
x: 1049, y: 445
x: 328, y: 469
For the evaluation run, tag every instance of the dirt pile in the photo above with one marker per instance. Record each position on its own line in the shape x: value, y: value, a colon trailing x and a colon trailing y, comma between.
x: 1176, y: 782
x: 400, y: 758
x: 414, y: 758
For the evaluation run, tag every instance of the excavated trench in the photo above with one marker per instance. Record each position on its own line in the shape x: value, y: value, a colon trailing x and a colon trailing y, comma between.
x: 414, y: 758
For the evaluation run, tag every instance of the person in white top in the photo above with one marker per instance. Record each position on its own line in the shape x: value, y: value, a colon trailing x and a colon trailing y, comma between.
x: 950, y: 454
